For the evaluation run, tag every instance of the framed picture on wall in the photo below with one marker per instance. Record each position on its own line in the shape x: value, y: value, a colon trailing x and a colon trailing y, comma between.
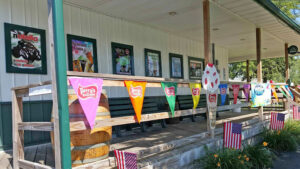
x: 82, y: 54
x: 176, y: 65
x: 153, y: 63
x: 122, y: 59
x: 196, y: 67
x: 25, y: 49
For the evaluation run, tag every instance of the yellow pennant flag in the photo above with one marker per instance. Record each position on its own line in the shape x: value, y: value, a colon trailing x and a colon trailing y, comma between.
x: 274, y: 92
x: 136, y: 91
x: 196, y: 90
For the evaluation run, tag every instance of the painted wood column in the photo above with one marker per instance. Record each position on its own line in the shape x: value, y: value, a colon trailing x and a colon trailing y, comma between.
x: 59, y: 85
x: 259, y: 67
x: 286, y: 56
x: 207, y: 56
x: 247, y: 71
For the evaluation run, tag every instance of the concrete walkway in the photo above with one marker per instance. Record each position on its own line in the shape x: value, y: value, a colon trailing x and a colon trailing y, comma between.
x: 288, y: 160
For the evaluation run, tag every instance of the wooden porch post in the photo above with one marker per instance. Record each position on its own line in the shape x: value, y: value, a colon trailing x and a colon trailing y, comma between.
x: 247, y: 71
x: 287, y: 71
x: 207, y: 53
x: 59, y: 85
x: 259, y: 67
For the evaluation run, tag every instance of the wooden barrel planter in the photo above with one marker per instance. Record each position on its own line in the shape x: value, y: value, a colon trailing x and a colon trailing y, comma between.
x: 88, y: 146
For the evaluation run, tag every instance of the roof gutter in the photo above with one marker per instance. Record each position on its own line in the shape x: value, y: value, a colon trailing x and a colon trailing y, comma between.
x: 267, y: 4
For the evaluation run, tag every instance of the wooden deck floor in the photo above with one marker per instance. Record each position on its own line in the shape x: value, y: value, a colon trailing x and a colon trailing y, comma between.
x: 133, y: 141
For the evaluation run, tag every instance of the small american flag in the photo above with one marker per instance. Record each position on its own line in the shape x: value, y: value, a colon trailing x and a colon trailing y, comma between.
x: 125, y: 160
x: 277, y: 121
x: 296, y: 113
x: 232, y: 135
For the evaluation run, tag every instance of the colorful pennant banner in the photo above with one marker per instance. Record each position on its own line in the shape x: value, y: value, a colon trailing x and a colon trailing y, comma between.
x: 236, y: 90
x: 223, y: 93
x: 274, y: 92
x: 88, y: 91
x: 136, y: 91
x: 196, y: 91
x: 288, y: 89
x: 247, y: 91
x: 280, y: 89
x: 261, y: 94
x: 170, y: 90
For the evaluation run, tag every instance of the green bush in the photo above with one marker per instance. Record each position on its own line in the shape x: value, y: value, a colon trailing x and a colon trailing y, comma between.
x: 225, y: 159
x: 260, y: 157
x: 294, y: 128
x: 280, y: 141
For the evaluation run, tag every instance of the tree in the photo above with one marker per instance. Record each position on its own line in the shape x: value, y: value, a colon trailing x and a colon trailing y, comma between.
x: 289, y: 7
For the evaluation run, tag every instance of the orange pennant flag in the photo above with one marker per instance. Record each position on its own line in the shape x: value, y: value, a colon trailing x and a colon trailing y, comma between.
x: 136, y: 91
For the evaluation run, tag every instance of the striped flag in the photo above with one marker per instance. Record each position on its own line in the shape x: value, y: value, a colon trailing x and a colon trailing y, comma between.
x: 125, y: 160
x: 232, y: 135
x: 296, y: 113
x: 277, y: 121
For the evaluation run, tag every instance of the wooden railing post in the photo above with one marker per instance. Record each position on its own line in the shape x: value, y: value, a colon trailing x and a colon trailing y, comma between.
x: 18, y: 135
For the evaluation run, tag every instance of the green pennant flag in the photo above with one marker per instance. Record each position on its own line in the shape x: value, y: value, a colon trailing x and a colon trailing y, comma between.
x: 279, y: 88
x: 170, y: 90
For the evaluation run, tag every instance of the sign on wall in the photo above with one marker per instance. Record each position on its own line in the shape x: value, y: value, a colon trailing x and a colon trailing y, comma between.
x: 176, y: 66
x: 25, y: 49
x: 196, y: 67
x: 122, y: 59
x: 82, y: 54
x: 153, y: 63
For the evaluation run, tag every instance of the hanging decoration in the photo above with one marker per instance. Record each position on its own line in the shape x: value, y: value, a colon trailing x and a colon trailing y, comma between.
x: 210, y: 82
x: 136, y: 91
x: 288, y: 89
x: 223, y: 93
x: 88, y: 91
x: 261, y: 94
x: 236, y: 90
x: 274, y: 92
x: 196, y: 91
x: 247, y: 91
x: 170, y: 90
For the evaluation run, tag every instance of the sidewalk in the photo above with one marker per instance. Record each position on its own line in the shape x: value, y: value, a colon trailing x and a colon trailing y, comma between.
x: 288, y: 160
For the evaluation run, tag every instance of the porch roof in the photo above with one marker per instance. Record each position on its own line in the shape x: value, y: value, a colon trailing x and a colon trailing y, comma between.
x: 233, y: 22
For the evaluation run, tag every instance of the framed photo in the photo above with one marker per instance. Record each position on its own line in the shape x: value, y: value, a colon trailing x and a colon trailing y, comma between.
x: 25, y: 49
x: 82, y: 54
x: 122, y: 59
x: 153, y: 63
x: 196, y: 68
x: 176, y: 66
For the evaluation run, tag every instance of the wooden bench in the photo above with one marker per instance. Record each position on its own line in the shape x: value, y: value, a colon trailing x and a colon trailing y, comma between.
x: 120, y: 107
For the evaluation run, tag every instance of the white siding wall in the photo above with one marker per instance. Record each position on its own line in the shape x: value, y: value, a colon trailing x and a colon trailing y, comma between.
x: 105, y: 29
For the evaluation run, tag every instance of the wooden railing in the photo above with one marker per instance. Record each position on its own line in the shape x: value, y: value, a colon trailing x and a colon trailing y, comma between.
x: 108, y: 80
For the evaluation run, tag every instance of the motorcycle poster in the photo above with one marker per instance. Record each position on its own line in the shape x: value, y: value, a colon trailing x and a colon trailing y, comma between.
x: 25, y: 49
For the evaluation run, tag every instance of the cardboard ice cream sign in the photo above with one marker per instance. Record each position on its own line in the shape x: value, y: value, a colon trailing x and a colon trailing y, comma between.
x: 210, y: 82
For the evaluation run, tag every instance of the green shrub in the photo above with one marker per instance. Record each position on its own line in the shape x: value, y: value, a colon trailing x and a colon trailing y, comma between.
x: 260, y: 157
x: 280, y: 141
x: 225, y: 159
x: 294, y: 128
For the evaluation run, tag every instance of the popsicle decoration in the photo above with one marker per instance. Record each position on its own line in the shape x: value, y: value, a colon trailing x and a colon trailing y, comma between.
x: 210, y: 78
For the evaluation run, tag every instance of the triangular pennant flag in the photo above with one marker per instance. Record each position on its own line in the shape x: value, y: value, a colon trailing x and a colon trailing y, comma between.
x: 88, y: 91
x: 196, y: 90
x: 223, y: 93
x: 286, y: 92
x: 274, y: 93
x: 236, y: 90
x: 279, y: 88
x: 288, y: 89
x: 136, y: 91
x: 170, y: 90
x: 247, y: 91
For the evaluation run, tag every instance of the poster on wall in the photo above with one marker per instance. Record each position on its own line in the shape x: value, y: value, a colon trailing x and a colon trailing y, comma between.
x: 152, y: 63
x: 122, y: 59
x: 82, y: 54
x: 176, y: 66
x: 25, y: 49
x: 196, y: 68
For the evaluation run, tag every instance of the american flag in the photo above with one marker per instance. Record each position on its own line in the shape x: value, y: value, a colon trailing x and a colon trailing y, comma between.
x: 125, y: 160
x: 277, y: 121
x: 296, y: 113
x: 232, y: 135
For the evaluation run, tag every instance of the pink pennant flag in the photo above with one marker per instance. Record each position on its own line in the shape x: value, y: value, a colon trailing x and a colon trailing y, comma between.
x: 236, y: 90
x: 247, y: 91
x: 88, y: 91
